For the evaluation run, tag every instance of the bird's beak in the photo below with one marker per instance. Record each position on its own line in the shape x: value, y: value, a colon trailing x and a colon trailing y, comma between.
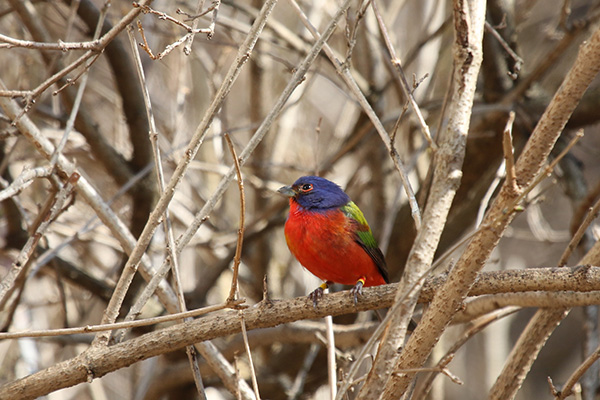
x: 287, y: 191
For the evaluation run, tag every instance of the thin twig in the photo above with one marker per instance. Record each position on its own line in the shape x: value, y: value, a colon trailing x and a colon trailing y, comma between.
x: 79, y: 96
x: 518, y: 60
x: 121, y: 325
x: 407, y: 90
x: 187, y: 38
x: 437, y: 369
x: 24, y: 180
x: 249, y: 354
x: 583, y: 226
x: 236, y: 362
x: 54, y: 206
x: 187, y: 49
x: 344, y: 71
x: 164, y: 16
x: 71, y: 81
x: 509, y: 155
x: 590, y: 198
x: 427, y: 381
x: 567, y: 388
x: 94, y: 45
x: 213, y: 19
x: 32, y: 95
x: 240, y: 236
x: 331, y: 364
x: 171, y: 254
x: 545, y: 172
x: 591, y: 215
x: 190, y: 152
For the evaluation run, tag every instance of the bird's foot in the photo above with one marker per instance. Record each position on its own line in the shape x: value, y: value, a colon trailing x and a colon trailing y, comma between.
x: 357, y: 289
x: 317, y: 294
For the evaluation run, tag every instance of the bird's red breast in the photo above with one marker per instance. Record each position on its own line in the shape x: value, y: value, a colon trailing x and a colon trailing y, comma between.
x: 324, y: 242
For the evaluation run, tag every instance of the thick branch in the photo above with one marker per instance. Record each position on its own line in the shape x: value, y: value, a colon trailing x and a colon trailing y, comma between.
x: 539, y: 328
x: 469, y: 21
x: 102, y: 360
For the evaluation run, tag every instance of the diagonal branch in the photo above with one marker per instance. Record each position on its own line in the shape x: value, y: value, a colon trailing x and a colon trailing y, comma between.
x: 344, y: 70
x: 449, y: 298
x: 189, y: 154
x: 543, y: 323
x: 468, y: 21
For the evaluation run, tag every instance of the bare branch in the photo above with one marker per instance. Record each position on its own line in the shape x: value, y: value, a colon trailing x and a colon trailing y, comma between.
x: 192, y: 149
x: 240, y: 238
x: 509, y: 153
x: 53, y: 207
x: 568, y: 388
x: 249, y: 354
x: 469, y: 18
x: 94, y: 45
x: 121, y: 325
x: 344, y: 71
x: 408, y: 92
x: 591, y: 215
x: 24, y: 180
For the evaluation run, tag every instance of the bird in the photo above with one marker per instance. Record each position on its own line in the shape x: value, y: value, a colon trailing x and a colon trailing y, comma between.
x: 329, y: 235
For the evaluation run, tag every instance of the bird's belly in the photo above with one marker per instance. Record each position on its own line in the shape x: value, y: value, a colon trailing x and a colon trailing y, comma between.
x: 327, y: 248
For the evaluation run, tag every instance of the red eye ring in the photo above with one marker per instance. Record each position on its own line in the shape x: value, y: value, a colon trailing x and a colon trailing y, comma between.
x: 307, y: 187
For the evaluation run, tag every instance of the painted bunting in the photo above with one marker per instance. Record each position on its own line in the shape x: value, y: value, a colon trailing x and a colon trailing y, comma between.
x: 330, y: 237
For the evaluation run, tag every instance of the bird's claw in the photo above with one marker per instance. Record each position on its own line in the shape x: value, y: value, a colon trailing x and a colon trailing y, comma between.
x: 357, y: 290
x: 316, y: 295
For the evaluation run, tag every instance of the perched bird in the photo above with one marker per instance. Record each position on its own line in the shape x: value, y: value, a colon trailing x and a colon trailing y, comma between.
x: 331, y: 238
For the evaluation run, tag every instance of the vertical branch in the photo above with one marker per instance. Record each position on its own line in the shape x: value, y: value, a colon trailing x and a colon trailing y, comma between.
x: 331, y: 365
x: 508, y: 150
x: 449, y: 297
x: 384, y: 380
x: 171, y: 254
x: 240, y: 239
x: 249, y: 353
x: 196, y: 141
x: 187, y: 49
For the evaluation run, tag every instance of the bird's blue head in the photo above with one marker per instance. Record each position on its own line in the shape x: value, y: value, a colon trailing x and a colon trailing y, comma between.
x: 313, y: 192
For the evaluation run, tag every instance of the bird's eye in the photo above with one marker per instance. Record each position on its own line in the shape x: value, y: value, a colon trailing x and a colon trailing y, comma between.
x: 307, y: 187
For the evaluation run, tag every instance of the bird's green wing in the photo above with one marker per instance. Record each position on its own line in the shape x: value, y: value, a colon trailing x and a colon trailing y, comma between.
x: 364, y: 237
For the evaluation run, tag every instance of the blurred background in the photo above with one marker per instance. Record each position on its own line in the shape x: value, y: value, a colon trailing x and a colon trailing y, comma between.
x: 322, y: 130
